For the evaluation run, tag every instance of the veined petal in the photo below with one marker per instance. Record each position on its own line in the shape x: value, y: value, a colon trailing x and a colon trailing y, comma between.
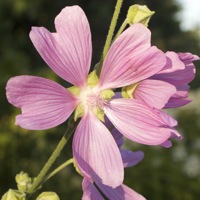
x: 180, y: 98
x: 119, y: 193
x: 90, y: 192
x: 96, y: 152
x: 67, y: 52
x: 131, y: 59
x: 44, y: 103
x: 173, y: 63
x: 176, y: 74
x: 177, y: 102
x: 131, y: 158
x: 154, y: 92
x: 138, y: 122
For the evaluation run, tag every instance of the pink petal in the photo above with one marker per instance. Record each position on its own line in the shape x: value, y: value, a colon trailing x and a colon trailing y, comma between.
x: 137, y: 121
x: 154, y: 92
x: 173, y: 63
x: 171, y: 123
x: 96, y: 152
x: 131, y: 59
x: 89, y: 191
x: 180, y: 98
x: 166, y: 118
x: 67, y: 52
x: 122, y: 192
x: 176, y: 74
x: 44, y: 103
x: 131, y: 158
x: 188, y: 58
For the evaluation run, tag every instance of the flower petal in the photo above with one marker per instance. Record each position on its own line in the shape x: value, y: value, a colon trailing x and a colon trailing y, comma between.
x: 119, y: 138
x: 154, y: 92
x: 131, y: 59
x: 44, y: 103
x: 176, y: 74
x: 138, y: 122
x: 89, y: 191
x: 96, y: 152
x: 67, y: 52
x: 131, y: 158
x: 119, y: 193
x: 180, y: 98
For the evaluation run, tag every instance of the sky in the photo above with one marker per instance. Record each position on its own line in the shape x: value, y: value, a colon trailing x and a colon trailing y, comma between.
x: 190, y: 15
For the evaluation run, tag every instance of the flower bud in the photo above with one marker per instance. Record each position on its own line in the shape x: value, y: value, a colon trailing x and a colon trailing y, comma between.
x: 13, y: 195
x: 48, y: 196
x: 23, y: 181
x: 139, y: 14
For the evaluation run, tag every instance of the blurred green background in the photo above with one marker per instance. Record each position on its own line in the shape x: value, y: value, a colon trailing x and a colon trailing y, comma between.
x: 164, y: 173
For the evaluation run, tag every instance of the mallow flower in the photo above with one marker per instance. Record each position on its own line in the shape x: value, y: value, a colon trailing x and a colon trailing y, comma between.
x: 46, y: 104
x: 177, y: 73
x: 97, y: 190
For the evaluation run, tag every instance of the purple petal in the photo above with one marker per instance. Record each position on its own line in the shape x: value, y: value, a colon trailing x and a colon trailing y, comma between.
x: 96, y: 152
x: 130, y: 158
x: 180, y: 98
x: 176, y: 74
x: 89, y: 191
x: 188, y: 58
x: 131, y: 59
x: 154, y: 92
x: 171, y: 122
x: 173, y: 63
x: 122, y: 192
x: 67, y: 52
x: 44, y: 103
x: 137, y: 121
x: 119, y: 138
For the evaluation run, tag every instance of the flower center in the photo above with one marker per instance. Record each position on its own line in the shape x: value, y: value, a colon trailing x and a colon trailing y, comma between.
x: 91, y: 98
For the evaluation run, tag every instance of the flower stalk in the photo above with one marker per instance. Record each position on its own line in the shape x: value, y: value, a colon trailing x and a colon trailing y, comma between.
x: 40, y: 178
x: 58, y: 169
x: 111, y: 31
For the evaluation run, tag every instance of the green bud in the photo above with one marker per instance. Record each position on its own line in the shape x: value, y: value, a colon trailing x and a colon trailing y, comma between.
x: 48, y: 196
x: 23, y: 181
x: 139, y: 14
x: 13, y: 195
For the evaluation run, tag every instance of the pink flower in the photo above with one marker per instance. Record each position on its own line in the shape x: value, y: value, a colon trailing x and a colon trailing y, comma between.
x: 121, y: 192
x: 169, y: 87
x: 130, y: 159
x: 179, y: 71
x: 46, y: 104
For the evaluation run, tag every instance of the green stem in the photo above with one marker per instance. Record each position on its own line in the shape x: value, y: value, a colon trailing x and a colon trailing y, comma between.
x: 111, y: 31
x: 58, y: 169
x: 51, y: 160
x: 121, y: 29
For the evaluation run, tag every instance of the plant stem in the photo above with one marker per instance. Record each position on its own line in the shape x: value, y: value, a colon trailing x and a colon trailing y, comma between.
x: 55, y: 171
x: 110, y: 32
x: 51, y: 160
x: 121, y: 29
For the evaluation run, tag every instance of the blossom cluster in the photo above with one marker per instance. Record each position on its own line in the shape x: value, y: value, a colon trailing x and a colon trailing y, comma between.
x: 126, y: 99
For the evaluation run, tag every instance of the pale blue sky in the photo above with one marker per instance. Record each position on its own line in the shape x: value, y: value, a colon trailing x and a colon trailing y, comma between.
x: 190, y: 15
